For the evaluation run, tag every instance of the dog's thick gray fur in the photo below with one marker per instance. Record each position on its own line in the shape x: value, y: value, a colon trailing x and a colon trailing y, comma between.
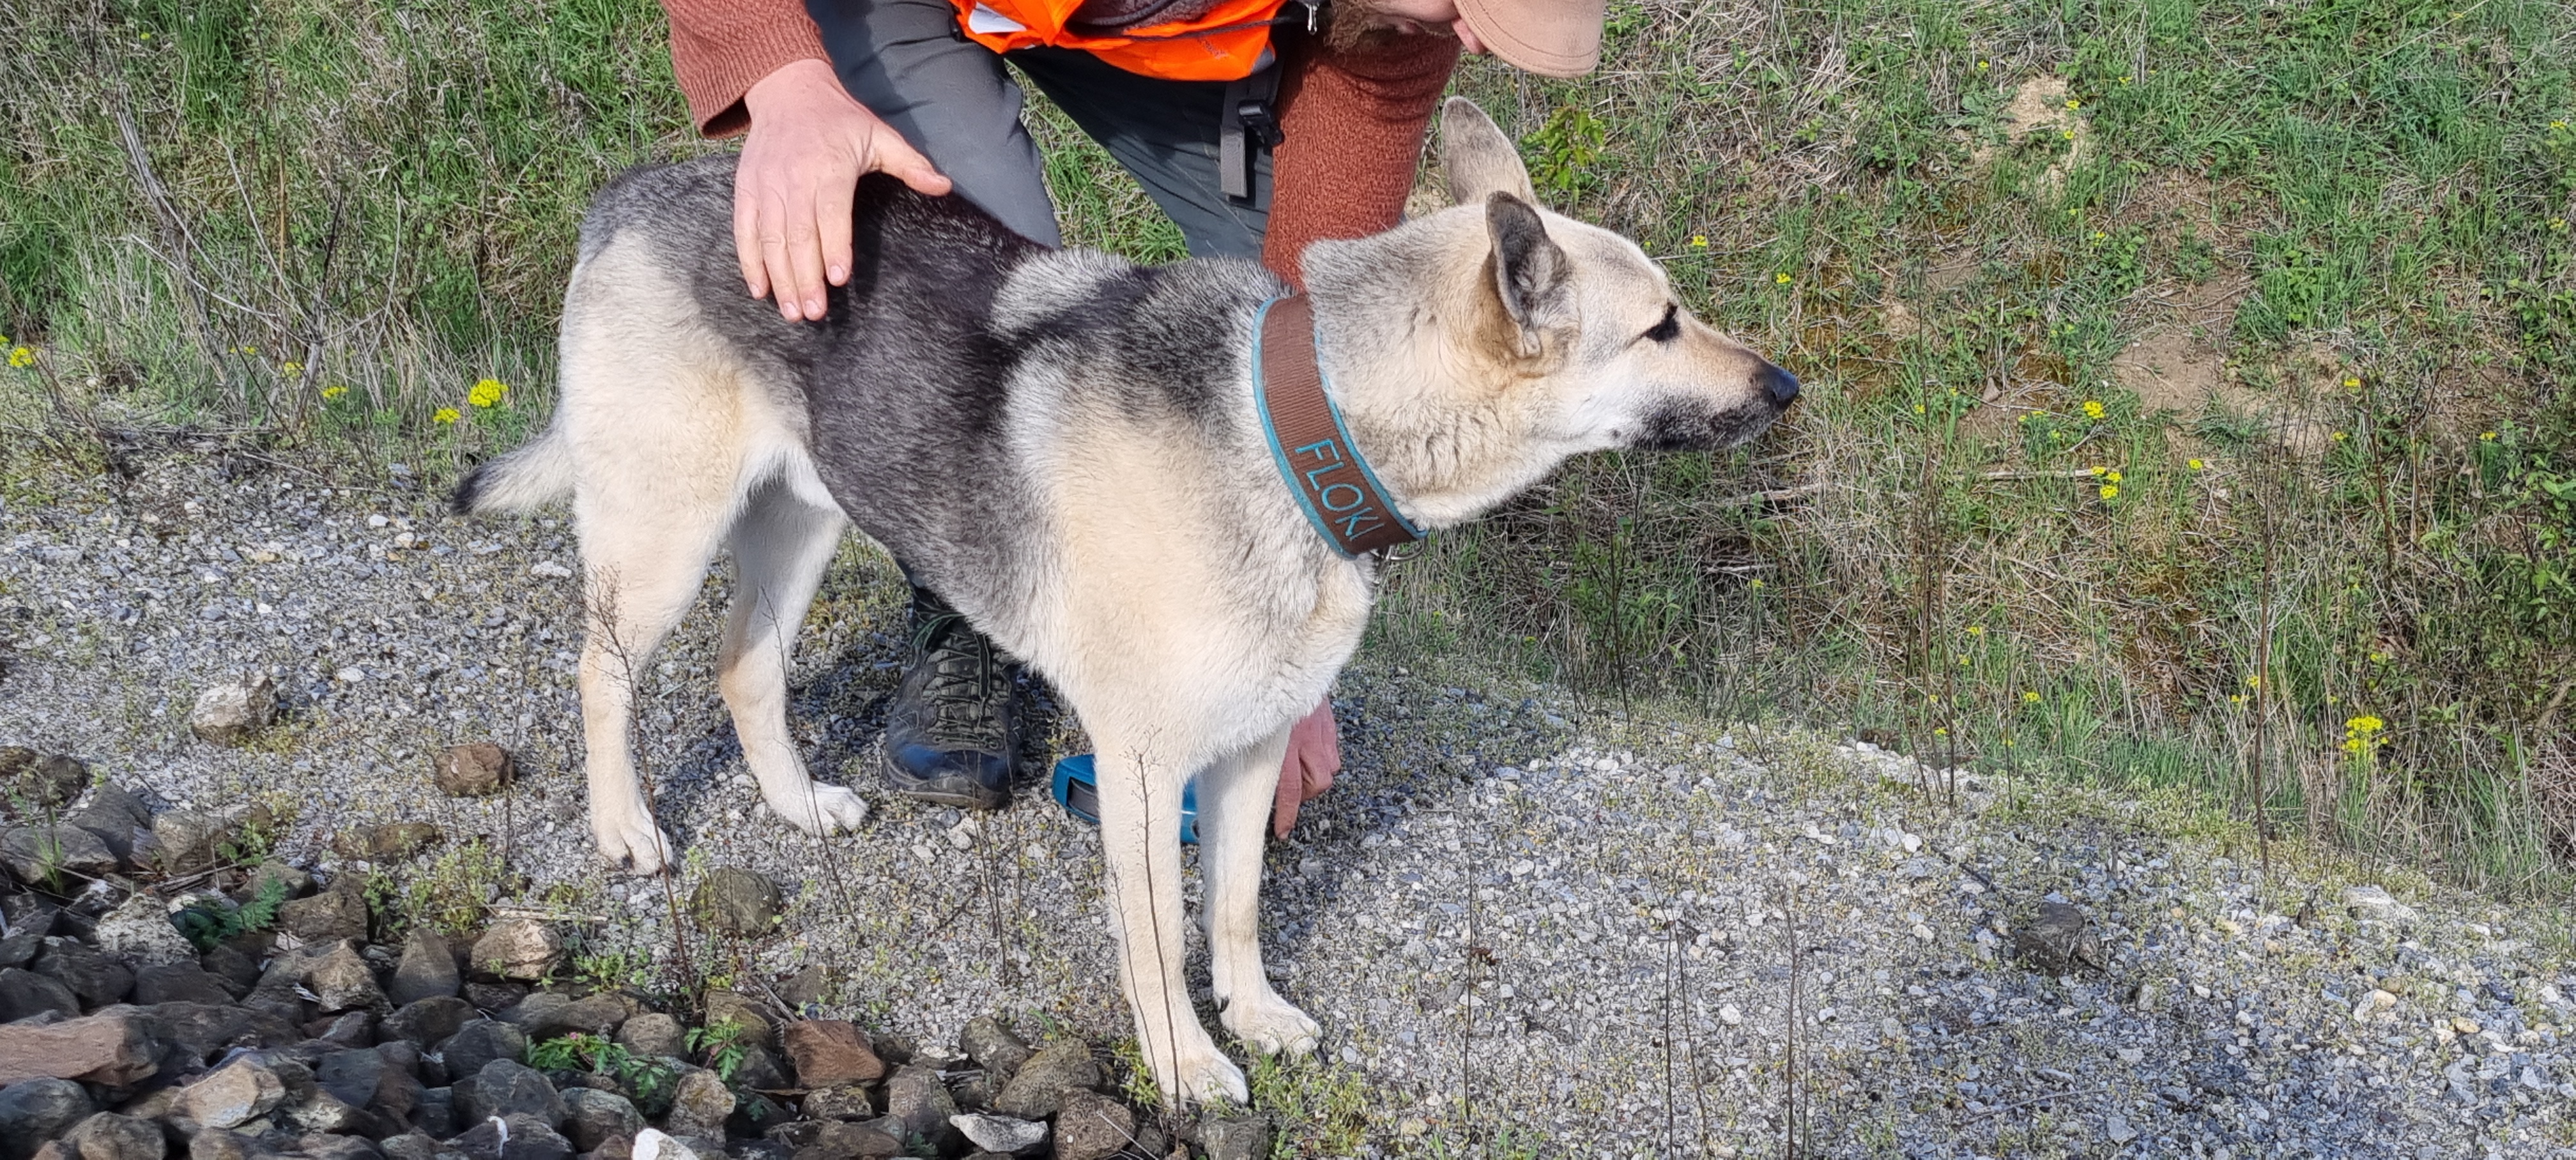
x: 1064, y: 446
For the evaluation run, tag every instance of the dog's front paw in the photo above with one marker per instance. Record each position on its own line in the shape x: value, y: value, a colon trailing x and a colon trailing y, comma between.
x: 820, y: 809
x: 633, y: 847
x: 1271, y: 1024
x: 1205, y: 1076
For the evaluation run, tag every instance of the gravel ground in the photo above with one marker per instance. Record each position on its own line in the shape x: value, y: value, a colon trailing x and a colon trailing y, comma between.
x: 1548, y: 929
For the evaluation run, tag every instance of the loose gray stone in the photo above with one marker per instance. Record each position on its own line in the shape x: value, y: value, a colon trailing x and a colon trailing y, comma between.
x: 735, y: 901
x: 2058, y: 939
x: 230, y: 713
x: 366, y: 1078
x: 25, y: 993
x: 141, y: 931
x: 2116, y: 1129
x: 1001, y: 1133
x: 427, y: 969
x: 599, y: 1014
x: 473, y: 770
x: 831, y: 1053
x: 2375, y: 903
x: 518, y: 948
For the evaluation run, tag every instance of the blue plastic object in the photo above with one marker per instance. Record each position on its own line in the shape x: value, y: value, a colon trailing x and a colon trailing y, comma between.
x: 1076, y: 787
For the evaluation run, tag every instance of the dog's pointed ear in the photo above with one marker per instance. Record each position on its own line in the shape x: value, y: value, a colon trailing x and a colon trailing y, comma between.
x: 1478, y: 158
x: 1530, y: 271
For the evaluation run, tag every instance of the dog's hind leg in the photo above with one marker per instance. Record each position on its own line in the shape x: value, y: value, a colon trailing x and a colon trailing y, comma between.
x: 1140, y: 834
x: 1234, y: 798
x: 641, y: 570
x: 781, y: 546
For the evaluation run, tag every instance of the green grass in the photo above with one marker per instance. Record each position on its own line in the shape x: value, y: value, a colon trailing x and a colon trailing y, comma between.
x: 2342, y: 225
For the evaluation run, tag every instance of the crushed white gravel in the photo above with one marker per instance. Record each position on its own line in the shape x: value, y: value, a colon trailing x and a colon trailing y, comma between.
x: 1518, y: 921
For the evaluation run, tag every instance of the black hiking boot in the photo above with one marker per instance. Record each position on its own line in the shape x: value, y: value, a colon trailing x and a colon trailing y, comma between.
x: 952, y: 735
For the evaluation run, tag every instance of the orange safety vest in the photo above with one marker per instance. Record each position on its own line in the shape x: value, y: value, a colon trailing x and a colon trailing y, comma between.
x: 1226, y: 43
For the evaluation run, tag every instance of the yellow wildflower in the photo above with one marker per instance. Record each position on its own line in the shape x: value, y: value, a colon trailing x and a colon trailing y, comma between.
x: 1699, y: 241
x: 22, y: 357
x: 1981, y: 66
x: 1918, y: 408
x: 1940, y: 731
x: 2124, y: 80
x: 2253, y: 680
x: 291, y: 369
x: 2030, y: 696
x: 2110, y: 491
x: 1781, y: 278
x: 2340, y: 436
x: 2486, y: 437
x: 2072, y: 103
x: 1976, y: 630
x: 2351, y: 384
x: 2197, y: 464
x: 2112, y: 476
x: 486, y: 393
x: 2069, y: 134
x: 444, y: 415
x: 334, y: 391
x: 2092, y: 408
x: 1757, y: 586
x: 2099, y: 470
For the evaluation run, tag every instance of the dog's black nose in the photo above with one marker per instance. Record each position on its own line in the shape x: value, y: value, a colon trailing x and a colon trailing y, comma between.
x: 1781, y: 385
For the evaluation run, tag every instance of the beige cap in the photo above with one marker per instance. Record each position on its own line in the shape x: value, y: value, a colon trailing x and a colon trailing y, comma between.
x: 1555, y: 38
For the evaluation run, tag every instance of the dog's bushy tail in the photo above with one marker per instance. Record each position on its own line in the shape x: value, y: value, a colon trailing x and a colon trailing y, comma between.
x: 536, y: 474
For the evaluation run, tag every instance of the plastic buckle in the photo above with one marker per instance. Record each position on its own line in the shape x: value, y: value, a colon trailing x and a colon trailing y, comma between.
x: 1257, y: 120
x: 1076, y: 787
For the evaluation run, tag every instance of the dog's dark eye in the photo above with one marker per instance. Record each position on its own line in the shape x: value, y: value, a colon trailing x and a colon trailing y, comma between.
x: 1670, y: 328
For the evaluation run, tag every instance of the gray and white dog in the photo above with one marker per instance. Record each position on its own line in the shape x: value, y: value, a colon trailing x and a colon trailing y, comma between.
x: 1064, y: 445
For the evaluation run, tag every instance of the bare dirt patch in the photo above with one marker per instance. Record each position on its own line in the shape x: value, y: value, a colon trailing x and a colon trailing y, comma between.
x: 2170, y: 370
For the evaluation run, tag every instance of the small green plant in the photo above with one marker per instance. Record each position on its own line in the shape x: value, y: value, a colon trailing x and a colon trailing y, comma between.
x: 208, y: 925
x: 648, y: 1081
x: 449, y: 894
x: 720, y: 1045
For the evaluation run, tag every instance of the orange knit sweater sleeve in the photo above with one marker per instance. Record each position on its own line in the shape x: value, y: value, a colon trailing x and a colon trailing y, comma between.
x: 1353, y: 122
x: 720, y: 48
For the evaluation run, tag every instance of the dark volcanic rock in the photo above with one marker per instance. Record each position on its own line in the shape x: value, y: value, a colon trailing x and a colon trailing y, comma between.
x: 993, y: 1048
x: 427, y: 1022
x: 592, y: 1117
x: 513, y: 1138
x: 178, y: 983
x: 2058, y: 939
x: 97, y: 978
x: 508, y: 1088
x: 335, y: 914
x: 24, y: 993
x: 39, y: 1110
x: 427, y: 969
x: 480, y: 1042
x: 1092, y: 1126
x: 916, y: 1099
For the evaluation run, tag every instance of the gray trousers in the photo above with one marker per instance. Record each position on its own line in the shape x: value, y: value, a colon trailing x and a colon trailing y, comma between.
x: 908, y: 62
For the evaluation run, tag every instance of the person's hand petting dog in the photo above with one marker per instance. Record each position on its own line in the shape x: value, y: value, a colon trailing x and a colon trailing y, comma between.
x: 808, y: 146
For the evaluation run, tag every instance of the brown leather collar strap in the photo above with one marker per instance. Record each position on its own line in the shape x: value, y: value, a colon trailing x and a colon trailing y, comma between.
x: 1342, y: 497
